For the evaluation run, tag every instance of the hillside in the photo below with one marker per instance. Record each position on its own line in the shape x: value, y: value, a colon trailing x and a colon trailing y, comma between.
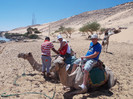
x: 120, y: 15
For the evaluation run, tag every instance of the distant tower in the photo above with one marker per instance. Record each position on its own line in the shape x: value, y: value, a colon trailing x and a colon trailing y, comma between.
x: 49, y: 30
x: 33, y: 19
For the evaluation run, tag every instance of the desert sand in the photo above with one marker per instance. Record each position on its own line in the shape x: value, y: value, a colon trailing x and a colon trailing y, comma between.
x: 119, y: 58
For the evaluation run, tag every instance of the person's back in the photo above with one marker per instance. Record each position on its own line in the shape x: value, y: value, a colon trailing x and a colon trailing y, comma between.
x: 45, y: 48
x: 46, y: 55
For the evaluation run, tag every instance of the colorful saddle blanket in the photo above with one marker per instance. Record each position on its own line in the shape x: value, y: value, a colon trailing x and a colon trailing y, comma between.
x: 97, y: 76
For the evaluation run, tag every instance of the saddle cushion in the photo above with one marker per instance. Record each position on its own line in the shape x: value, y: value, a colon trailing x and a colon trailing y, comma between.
x: 97, y: 77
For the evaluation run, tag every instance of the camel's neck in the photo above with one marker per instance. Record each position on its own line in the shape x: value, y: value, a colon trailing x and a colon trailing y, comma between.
x: 65, y: 78
x: 34, y: 64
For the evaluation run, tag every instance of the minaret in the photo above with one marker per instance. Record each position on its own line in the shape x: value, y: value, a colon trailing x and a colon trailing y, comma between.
x: 49, y: 30
x: 33, y: 19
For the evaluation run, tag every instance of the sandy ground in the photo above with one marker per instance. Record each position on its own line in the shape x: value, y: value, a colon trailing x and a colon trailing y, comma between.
x: 119, y: 58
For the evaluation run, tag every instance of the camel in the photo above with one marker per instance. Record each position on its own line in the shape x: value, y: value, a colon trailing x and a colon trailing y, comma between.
x: 76, y: 78
x: 28, y: 56
x: 36, y: 66
x: 108, y: 33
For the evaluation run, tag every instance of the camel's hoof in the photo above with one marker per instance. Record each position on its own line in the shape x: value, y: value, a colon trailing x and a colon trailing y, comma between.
x: 66, y: 88
x: 83, y: 91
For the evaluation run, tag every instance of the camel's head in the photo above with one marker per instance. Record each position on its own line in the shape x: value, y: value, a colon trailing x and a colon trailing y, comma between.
x: 57, y: 64
x: 25, y: 55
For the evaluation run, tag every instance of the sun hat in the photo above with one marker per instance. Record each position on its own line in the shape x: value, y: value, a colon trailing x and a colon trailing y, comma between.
x: 94, y: 36
x: 59, y: 36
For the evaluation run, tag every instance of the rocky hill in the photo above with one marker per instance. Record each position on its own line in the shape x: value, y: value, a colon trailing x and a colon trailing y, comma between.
x: 110, y: 17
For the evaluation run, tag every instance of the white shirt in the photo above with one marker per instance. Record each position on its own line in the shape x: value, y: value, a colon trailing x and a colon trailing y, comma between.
x: 68, y: 48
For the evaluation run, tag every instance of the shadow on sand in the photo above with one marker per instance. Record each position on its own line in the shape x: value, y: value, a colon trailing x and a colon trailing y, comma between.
x: 91, y: 93
x: 52, y: 80
x: 109, y: 53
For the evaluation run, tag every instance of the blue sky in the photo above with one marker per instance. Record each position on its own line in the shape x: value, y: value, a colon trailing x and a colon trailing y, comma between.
x: 18, y: 13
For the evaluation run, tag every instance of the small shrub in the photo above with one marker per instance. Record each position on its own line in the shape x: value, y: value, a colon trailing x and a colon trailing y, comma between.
x: 33, y: 36
x: 7, y: 35
x: 26, y: 34
x: 37, y: 32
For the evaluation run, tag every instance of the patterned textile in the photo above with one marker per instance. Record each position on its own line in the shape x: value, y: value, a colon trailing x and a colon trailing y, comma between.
x: 97, y: 76
x: 45, y: 48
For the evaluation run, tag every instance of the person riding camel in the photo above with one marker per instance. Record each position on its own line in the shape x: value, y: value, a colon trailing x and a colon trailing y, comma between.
x: 90, y: 59
x: 64, y: 50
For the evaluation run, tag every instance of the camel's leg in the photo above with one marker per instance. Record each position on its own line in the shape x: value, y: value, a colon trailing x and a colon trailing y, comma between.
x: 104, y: 48
x: 107, y: 46
x: 66, y: 87
x: 112, y: 80
x: 66, y: 35
x: 78, y: 92
x: 103, y: 45
x: 72, y: 93
x: 70, y: 35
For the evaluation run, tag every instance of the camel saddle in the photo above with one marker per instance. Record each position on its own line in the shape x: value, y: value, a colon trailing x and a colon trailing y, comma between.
x: 99, y: 64
x: 98, y: 76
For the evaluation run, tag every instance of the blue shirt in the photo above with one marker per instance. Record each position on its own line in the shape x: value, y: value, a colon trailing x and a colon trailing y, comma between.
x: 95, y: 48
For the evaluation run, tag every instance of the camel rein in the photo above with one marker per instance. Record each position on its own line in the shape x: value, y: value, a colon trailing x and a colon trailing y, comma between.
x: 17, y: 94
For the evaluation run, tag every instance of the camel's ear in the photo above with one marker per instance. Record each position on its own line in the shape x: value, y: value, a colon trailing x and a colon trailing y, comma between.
x: 29, y: 54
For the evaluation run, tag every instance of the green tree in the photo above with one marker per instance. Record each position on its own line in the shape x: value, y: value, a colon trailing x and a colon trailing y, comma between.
x: 90, y: 27
x: 69, y: 30
x: 85, y: 29
x: 61, y: 29
x: 94, y: 26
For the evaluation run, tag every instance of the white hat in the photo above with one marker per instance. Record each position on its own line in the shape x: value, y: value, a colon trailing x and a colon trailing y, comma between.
x: 94, y: 36
x: 59, y: 36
